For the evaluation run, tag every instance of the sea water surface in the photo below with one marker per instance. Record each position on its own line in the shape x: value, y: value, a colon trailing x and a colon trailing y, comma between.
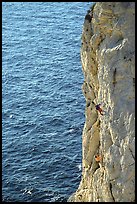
x: 42, y: 101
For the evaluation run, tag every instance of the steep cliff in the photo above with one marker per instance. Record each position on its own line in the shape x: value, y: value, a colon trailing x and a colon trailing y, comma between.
x: 108, y: 140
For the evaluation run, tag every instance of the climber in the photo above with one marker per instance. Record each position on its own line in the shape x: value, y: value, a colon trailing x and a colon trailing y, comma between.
x: 99, y: 109
x: 98, y: 158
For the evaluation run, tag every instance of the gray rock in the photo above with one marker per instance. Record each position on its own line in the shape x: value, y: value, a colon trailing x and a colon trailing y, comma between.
x: 108, y: 63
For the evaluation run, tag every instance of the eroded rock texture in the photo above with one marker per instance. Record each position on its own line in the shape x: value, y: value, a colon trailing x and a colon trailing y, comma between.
x: 108, y: 63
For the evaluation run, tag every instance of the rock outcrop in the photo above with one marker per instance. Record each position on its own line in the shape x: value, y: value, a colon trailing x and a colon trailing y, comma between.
x: 108, y: 63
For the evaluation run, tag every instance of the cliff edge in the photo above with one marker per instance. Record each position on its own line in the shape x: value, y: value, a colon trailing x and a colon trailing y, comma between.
x: 108, y: 139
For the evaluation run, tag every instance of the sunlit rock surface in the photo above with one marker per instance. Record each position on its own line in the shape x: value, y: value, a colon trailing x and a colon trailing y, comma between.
x: 108, y: 63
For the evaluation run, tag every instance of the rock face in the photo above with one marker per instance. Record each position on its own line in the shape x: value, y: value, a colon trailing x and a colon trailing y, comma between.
x: 108, y: 62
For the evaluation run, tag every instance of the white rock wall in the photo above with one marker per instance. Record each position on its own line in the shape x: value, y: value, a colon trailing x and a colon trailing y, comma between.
x: 108, y: 63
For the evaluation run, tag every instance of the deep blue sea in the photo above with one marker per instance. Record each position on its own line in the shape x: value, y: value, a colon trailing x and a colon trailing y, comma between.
x: 42, y: 101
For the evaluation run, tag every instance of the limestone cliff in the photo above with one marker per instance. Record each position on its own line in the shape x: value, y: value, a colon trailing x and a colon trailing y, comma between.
x: 108, y: 62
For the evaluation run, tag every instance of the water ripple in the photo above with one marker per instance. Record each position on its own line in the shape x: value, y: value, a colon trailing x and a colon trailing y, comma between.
x: 42, y: 101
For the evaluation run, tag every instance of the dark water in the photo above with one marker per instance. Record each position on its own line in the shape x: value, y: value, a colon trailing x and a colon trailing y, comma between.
x: 42, y: 102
